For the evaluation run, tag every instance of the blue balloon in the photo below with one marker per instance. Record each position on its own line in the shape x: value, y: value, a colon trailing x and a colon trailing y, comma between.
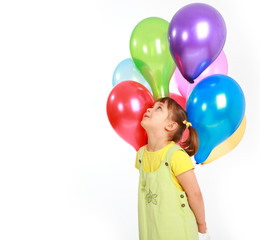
x: 216, y: 108
x: 125, y: 71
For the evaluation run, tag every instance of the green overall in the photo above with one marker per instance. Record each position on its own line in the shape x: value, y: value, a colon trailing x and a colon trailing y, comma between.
x: 163, y: 210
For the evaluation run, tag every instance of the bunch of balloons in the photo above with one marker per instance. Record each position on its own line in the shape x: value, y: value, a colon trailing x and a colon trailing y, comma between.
x: 193, y: 41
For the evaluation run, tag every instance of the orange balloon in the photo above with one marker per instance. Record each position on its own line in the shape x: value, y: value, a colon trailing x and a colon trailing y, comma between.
x: 229, y: 144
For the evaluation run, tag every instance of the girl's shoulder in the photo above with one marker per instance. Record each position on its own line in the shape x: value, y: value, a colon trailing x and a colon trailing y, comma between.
x: 181, y: 162
x: 141, y: 149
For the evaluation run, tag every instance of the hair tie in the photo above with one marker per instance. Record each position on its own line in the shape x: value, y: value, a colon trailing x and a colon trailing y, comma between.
x: 188, y: 124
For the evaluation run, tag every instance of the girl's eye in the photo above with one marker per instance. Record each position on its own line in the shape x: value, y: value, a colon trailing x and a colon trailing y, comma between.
x: 159, y: 107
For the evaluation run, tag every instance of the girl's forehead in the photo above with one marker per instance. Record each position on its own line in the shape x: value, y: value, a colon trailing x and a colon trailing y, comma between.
x: 160, y: 103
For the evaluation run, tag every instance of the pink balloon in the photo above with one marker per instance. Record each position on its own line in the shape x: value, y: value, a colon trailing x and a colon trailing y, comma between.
x: 219, y: 66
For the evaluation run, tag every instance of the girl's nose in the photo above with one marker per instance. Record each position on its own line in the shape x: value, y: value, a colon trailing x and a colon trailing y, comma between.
x: 148, y: 109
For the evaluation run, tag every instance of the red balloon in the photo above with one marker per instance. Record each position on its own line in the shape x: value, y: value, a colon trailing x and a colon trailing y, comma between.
x: 179, y: 99
x: 185, y: 136
x: 126, y: 105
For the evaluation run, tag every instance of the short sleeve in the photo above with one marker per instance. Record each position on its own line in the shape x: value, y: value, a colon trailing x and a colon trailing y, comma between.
x: 181, y: 162
x: 136, y: 159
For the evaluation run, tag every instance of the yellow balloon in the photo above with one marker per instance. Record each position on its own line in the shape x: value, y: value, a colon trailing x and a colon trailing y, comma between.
x: 228, y: 144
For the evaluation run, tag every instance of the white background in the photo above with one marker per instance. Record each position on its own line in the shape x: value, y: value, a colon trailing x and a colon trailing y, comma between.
x: 64, y: 172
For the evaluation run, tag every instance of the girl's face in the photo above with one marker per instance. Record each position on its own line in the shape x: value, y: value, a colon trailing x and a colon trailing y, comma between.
x: 156, y: 118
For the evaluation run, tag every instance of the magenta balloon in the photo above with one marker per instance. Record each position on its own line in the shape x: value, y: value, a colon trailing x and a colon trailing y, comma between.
x: 219, y: 66
x: 196, y: 34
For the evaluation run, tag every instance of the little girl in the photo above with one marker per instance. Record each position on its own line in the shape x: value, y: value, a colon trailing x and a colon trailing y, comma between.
x: 170, y: 203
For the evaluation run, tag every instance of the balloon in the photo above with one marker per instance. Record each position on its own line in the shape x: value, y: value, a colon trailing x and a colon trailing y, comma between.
x: 219, y: 66
x: 126, y: 70
x: 197, y: 34
x: 228, y: 144
x: 126, y: 104
x: 182, y: 102
x: 185, y: 136
x: 216, y: 108
x: 179, y: 99
x: 150, y: 53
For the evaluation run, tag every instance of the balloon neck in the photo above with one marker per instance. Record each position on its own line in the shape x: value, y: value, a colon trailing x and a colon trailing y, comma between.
x: 160, y: 91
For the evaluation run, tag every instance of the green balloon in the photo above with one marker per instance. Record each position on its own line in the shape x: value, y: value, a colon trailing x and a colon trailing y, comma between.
x: 150, y: 52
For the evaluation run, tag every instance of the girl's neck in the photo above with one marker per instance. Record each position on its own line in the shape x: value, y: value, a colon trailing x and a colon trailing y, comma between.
x: 155, y: 144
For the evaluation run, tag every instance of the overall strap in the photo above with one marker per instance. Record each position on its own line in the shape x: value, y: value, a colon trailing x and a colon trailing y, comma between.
x: 170, y: 152
x: 140, y: 156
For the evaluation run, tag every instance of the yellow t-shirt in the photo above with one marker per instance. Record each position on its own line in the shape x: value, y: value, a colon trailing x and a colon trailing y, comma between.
x: 180, y: 162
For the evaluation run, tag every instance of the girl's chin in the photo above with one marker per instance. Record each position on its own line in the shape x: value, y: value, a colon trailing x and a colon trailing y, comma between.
x: 143, y: 123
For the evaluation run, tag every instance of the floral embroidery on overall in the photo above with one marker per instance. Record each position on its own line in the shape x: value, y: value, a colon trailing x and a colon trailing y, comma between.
x: 149, y: 197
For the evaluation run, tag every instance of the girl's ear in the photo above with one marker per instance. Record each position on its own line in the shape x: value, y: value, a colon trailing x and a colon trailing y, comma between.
x: 171, y: 126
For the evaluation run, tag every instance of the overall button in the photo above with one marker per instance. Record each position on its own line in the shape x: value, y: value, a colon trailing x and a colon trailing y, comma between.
x: 139, y: 161
x: 166, y: 164
x: 183, y: 205
x: 182, y: 196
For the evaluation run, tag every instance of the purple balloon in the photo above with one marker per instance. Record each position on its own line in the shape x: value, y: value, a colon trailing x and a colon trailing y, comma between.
x: 197, y: 34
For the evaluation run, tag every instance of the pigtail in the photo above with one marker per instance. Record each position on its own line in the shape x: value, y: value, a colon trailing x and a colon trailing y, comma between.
x: 191, y: 145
